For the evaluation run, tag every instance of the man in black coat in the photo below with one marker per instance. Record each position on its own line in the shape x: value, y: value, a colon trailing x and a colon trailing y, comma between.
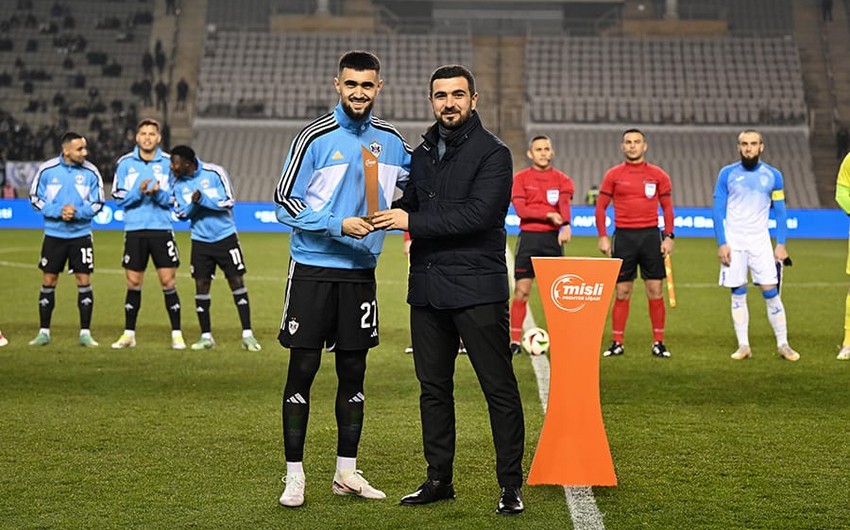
x: 454, y: 208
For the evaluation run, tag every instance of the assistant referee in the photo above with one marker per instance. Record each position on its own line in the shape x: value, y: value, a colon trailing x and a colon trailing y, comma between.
x: 637, y: 189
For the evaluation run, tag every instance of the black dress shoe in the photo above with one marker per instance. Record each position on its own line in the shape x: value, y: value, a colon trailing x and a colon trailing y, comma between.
x: 430, y: 491
x: 510, y: 501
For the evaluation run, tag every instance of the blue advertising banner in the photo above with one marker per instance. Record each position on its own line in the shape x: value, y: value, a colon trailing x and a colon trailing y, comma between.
x: 260, y: 217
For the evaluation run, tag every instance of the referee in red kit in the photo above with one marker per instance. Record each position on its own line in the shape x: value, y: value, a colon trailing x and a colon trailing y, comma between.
x: 541, y: 196
x: 637, y: 188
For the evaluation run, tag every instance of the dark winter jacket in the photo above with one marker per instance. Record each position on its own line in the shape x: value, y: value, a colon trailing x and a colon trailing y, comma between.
x: 457, y: 209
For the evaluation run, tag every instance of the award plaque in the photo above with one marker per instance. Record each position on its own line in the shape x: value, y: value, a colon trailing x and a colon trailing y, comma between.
x: 370, y: 175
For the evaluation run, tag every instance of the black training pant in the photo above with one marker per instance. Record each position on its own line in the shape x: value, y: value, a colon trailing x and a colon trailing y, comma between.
x: 485, y: 332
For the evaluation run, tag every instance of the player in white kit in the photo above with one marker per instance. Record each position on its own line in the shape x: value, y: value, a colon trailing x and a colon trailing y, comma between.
x: 744, y: 194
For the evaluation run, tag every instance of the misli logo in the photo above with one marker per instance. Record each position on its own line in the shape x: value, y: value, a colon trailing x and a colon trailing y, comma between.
x: 571, y: 292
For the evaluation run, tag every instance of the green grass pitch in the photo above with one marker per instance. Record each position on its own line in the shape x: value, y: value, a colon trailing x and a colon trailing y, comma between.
x: 155, y: 438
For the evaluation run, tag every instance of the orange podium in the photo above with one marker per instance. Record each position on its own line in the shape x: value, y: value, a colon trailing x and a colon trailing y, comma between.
x: 573, y: 448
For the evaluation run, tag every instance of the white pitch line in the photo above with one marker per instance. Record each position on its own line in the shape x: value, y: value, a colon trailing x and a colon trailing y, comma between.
x: 584, y: 512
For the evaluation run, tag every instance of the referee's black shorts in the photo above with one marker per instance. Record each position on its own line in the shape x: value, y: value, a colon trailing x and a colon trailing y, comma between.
x: 639, y: 247
x: 529, y: 244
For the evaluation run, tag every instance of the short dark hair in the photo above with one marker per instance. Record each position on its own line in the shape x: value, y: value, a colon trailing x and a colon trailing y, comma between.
x: 633, y: 130
x: 447, y: 71
x: 360, y: 60
x: 539, y: 137
x: 69, y: 137
x: 148, y: 121
x: 185, y: 152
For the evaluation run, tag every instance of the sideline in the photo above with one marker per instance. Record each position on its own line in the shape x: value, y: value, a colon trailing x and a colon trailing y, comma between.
x: 584, y: 512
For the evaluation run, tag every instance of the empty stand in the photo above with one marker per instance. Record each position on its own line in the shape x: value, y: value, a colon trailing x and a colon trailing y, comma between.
x: 253, y: 152
x: 691, y: 156
x: 665, y: 80
x: 54, y: 42
x: 290, y: 75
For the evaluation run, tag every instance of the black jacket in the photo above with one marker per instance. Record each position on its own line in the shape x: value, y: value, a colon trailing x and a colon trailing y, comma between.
x: 457, y: 209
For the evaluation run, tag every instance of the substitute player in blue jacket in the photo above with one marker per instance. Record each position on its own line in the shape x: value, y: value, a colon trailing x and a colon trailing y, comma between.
x: 68, y: 192
x: 202, y: 194
x: 141, y: 187
x: 331, y: 293
x: 744, y: 194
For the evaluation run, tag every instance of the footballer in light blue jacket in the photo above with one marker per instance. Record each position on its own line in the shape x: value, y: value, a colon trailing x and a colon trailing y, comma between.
x: 322, y: 183
x: 68, y: 192
x: 142, y: 188
x: 203, y: 195
x: 68, y: 180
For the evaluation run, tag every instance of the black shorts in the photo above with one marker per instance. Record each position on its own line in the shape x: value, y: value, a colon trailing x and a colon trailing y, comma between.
x: 330, y: 310
x: 227, y: 254
x: 78, y: 252
x: 159, y: 245
x: 639, y: 246
x: 541, y: 244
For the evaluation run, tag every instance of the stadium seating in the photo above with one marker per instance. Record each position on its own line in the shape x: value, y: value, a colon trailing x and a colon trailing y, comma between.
x: 72, y: 66
x: 291, y: 74
x: 86, y: 44
x: 664, y: 80
x: 692, y: 157
x: 253, y: 152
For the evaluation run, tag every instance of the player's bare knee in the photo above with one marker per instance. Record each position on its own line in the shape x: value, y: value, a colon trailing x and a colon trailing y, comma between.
x: 167, y: 278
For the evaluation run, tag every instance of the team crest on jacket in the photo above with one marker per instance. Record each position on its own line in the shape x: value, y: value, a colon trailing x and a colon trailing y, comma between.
x: 78, y: 178
x: 552, y: 196
x: 292, y: 326
x: 376, y: 149
x: 649, y: 189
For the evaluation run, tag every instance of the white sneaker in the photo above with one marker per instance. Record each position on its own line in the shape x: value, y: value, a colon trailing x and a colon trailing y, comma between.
x: 844, y: 354
x: 355, y: 484
x: 788, y: 354
x: 177, y: 342
x: 124, y: 341
x: 293, y: 494
x: 743, y: 352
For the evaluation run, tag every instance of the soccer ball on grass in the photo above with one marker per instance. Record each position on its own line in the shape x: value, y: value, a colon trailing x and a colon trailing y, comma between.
x: 535, y: 341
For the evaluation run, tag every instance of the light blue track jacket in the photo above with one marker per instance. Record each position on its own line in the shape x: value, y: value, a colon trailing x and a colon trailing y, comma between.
x: 212, y: 217
x: 57, y: 184
x: 322, y: 183
x: 143, y: 212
